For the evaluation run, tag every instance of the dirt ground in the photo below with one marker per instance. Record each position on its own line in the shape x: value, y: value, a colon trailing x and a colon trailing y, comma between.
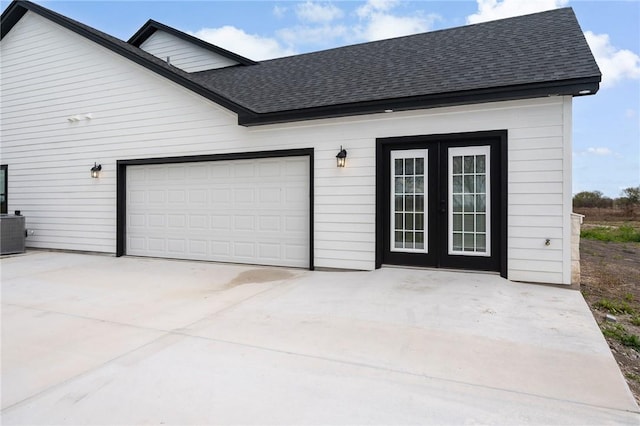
x: 610, y: 283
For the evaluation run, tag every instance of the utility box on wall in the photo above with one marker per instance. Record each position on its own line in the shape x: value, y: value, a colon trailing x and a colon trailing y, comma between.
x: 12, y: 234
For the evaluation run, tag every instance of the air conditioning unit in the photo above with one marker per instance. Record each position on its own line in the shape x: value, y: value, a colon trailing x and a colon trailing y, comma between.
x: 12, y: 234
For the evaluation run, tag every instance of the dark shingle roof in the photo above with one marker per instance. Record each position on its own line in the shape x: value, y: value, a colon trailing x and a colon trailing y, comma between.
x: 539, y: 48
x: 516, y: 58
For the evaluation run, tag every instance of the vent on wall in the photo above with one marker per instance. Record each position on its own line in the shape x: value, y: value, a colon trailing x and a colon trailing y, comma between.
x: 12, y: 234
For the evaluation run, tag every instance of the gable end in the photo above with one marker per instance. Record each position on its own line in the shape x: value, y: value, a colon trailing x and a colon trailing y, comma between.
x: 151, y: 26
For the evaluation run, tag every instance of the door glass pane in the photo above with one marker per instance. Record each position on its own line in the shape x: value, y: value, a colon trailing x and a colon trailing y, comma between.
x: 408, y: 185
x: 419, y: 189
x: 457, y: 241
x: 408, y: 240
x: 457, y: 223
x: 399, y: 185
x: 457, y: 184
x: 399, y: 201
x: 480, y: 242
x: 468, y: 164
x: 468, y: 223
x: 398, y: 220
x: 399, y: 168
x: 468, y: 242
x: 409, y: 189
x: 408, y: 203
x: 481, y: 203
x: 468, y: 229
x: 408, y: 166
x: 408, y: 221
x: 468, y: 203
x: 457, y: 165
x: 469, y: 187
x: 457, y: 203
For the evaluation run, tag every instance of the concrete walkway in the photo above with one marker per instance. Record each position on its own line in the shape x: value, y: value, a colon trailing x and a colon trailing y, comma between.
x: 90, y: 339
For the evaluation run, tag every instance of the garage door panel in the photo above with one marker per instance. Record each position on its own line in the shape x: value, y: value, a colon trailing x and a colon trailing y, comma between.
x: 198, y: 247
x: 156, y: 245
x: 246, y: 211
x: 269, y: 223
x: 197, y: 172
x: 176, y: 220
x: 176, y: 196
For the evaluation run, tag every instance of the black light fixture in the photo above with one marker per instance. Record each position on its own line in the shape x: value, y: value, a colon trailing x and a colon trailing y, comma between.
x: 95, y: 170
x: 342, y: 157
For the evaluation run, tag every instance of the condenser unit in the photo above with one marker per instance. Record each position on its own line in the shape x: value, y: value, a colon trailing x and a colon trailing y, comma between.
x: 12, y: 234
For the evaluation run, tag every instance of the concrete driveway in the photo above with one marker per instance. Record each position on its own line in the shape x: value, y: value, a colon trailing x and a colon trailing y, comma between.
x: 90, y: 339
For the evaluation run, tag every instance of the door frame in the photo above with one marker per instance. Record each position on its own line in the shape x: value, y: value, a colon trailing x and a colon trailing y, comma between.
x: 474, y: 138
x: 4, y: 168
x: 121, y: 185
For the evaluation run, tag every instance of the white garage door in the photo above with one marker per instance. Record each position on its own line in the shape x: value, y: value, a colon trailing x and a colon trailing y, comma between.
x: 243, y: 211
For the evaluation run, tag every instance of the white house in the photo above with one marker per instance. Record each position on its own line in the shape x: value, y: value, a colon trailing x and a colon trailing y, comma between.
x: 458, y: 145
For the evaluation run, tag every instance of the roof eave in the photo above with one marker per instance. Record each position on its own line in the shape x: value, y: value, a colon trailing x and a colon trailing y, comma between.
x: 143, y: 33
x: 10, y: 17
x: 574, y: 87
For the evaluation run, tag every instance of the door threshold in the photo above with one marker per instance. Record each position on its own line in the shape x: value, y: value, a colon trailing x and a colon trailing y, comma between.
x: 431, y: 268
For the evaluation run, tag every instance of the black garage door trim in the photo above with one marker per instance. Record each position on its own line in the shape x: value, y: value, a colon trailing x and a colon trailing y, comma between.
x: 121, y: 177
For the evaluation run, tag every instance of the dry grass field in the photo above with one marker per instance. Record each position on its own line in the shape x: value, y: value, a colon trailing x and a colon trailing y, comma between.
x: 610, y: 283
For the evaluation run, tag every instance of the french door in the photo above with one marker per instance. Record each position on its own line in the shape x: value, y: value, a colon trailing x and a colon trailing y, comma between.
x: 441, y: 202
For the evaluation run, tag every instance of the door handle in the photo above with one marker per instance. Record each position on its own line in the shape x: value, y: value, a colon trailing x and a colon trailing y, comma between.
x: 443, y: 206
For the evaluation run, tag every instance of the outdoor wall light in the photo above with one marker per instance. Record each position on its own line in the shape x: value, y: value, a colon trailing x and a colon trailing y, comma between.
x: 341, y: 157
x: 95, y: 170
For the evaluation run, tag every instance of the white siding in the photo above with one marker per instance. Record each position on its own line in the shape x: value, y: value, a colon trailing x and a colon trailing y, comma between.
x: 184, y: 55
x: 49, y: 74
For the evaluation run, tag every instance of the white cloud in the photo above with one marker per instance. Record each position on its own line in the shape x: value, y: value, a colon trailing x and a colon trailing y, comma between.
x: 599, y: 151
x: 375, y: 6
x: 615, y: 64
x: 630, y: 113
x: 250, y: 45
x: 279, y: 11
x: 317, y: 35
x: 489, y: 10
x: 317, y: 12
x: 379, y: 23
x: 381, y: 26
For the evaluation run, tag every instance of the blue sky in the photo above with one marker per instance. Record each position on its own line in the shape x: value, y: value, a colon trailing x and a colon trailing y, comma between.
x: 606, y: 127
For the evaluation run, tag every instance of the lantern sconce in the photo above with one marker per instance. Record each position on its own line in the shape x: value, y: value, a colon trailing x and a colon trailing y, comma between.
x: 95, y: 170
x: 341, y: 158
